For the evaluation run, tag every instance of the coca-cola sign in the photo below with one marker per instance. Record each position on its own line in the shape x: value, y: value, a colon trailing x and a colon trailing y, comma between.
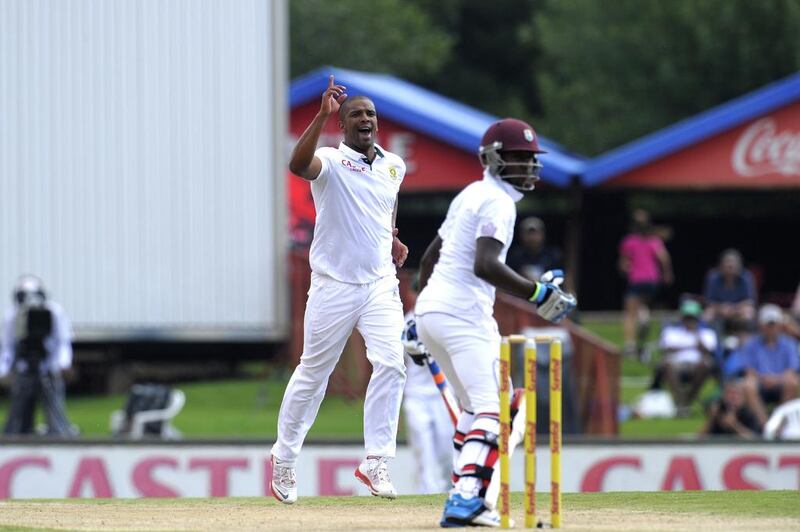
x: 763, y: 149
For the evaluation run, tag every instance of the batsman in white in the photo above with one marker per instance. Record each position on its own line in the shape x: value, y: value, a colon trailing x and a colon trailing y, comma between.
x: 353, y: 285
x: 459, y: 273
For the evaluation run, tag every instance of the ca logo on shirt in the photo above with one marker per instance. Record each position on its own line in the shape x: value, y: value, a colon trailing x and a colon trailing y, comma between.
x: 393, y: 172
x: 352, y: 167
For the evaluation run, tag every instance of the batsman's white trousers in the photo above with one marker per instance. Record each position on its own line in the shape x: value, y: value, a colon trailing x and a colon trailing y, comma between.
x: 468, y: 351
x: 332, y: 311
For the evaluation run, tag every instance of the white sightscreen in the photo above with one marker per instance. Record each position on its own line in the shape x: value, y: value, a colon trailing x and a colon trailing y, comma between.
x: 141, y: 163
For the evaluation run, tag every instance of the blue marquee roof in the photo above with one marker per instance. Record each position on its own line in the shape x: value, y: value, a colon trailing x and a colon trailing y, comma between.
x: 422, y: 110
x: 692, y: 130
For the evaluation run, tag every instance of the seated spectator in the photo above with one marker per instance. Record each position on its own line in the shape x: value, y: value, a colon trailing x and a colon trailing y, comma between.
x: 729, y: 414
x: 646, y: 264
x: 730, y: 294
x: 770, y: 362
x: 687, y: 355
x: 533, y: 257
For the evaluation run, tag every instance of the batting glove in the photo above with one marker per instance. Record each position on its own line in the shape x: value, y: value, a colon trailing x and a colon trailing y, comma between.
x: 415, y: 349
x: 552, y: 303
x: 555, y: 277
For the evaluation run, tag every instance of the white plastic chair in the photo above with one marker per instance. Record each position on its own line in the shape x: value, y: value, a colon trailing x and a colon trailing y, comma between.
x: 176, y: 401
x: 784, y: 423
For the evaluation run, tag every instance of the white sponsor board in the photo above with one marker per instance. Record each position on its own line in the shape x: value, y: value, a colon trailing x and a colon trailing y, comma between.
x: 219, y: 470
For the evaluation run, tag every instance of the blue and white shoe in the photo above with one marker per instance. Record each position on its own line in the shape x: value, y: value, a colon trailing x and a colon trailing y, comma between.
x: 461, y: 512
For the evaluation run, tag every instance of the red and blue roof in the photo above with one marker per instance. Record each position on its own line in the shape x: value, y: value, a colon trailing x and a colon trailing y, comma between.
x: 434, y: 115
x: 462, y: 127
x: 692, y: 131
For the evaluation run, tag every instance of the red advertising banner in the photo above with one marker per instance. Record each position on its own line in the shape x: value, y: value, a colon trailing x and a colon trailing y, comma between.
x: 763, y: 153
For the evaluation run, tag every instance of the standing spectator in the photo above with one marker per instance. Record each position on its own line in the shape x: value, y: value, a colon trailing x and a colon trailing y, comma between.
x: 36, y: 351
x: 646, y: 264
x: 533, y: 257
x: 730, y: 294
x: 687, y: 355
x: 730, y: 415
x: 770, y: 361
x: 353, y: 285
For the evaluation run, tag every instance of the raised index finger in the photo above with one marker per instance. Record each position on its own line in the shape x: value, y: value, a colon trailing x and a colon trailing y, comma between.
x: 330, y: 81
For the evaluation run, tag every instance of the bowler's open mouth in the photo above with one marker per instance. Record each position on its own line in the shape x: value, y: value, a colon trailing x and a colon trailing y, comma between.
x: 365, y: 133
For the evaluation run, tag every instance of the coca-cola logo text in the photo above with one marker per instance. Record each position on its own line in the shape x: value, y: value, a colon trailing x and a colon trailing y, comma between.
x: 763, y: 149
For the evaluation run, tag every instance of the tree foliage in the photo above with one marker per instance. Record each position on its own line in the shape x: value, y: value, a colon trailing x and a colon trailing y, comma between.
x: 614, y: 71
x: 589, y: 74
x: 390, y: 36
x: 493, y: 63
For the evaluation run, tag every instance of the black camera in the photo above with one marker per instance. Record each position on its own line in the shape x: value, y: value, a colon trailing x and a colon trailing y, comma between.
x: 33, y: 325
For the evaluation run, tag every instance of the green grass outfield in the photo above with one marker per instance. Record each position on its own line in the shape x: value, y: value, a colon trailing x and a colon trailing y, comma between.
x: 248, y: 407
x: 742, y: 510
x: 224, y: 408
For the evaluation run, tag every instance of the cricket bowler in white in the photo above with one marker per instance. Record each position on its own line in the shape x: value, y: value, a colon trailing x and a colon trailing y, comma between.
x: 459, y: 273
x: 353, y: 285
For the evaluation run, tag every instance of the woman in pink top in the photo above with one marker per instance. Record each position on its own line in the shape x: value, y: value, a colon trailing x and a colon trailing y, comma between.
x: 646, y: 264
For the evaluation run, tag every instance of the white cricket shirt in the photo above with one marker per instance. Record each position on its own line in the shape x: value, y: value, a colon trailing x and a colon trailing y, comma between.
x: 685, y: 342
x: 354, y: 201
x: 484, y: 208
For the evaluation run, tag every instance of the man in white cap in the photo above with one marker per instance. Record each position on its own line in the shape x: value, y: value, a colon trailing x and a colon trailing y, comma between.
x: 36, y: 350
x: 771, y: 363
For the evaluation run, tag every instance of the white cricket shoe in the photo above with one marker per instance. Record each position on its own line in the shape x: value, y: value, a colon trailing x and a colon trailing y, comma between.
x: 374, y: 473
x: 284, y: 482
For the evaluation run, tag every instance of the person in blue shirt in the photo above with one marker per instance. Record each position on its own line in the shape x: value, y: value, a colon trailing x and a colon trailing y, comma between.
x: 771, y: 363
x: 730, y: 293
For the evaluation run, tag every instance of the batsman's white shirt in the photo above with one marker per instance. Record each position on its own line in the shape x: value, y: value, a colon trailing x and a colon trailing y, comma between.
x: 455, y: 309
x: 484, y: 208
x: 353, y: 285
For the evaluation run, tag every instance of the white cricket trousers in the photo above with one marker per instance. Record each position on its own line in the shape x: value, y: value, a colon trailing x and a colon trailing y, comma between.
x: 430, y: 435
x: 332, y: 311
x: 468, y: 353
